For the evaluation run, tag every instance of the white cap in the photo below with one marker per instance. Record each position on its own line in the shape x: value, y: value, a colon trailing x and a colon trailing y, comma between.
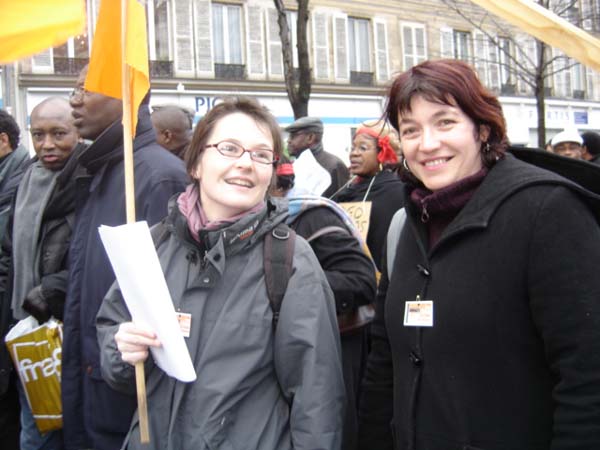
x: 567, y: 136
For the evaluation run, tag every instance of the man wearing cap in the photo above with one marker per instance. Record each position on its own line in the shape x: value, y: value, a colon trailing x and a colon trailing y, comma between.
x: 307, y: 133
x: 568, y: 143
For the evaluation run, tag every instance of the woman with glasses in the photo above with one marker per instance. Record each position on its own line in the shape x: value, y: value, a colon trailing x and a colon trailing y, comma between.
x: 372, y: 162
x: 262, y: 384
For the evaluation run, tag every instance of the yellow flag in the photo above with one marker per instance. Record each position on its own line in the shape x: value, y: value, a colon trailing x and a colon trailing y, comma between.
x: 28, y: 27
x: 547, y: 27
x: 104, y: 73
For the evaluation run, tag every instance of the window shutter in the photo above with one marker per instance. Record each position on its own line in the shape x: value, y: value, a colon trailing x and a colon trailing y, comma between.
x: 591, y: 78
x: 340, y: 44
x: 493, y: 65
x: 409, y: 59
x: 321, y: 45
x: 562, y: 76
x: 446, y: 42
x: 414, y: 48
x: 421, y: 44
x: 95, y: 9
x: 184, y: 57
x: 274, y: 55
x: 586, y: 14
x: 526, y: 52
x: 202, y: 38
x: 381, y: 51
x: 292, y: 20
x: 42, y: 62
x: 255, y: 42
x: 480, y: 56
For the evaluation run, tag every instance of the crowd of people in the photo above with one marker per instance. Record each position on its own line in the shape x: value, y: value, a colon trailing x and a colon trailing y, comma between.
x: 464, y: 314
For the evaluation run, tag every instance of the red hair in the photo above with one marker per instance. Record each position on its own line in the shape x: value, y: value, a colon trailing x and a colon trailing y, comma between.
x: 454, y: 83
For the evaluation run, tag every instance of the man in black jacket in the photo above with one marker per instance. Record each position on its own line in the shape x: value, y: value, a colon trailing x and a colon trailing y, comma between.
x: 94, y: 415
x: 34, y: 250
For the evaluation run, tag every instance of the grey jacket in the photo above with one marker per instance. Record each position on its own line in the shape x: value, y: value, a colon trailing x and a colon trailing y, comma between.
x: 256, y: 388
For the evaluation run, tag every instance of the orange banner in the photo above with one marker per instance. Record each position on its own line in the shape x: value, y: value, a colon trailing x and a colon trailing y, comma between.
x: 104, y: 74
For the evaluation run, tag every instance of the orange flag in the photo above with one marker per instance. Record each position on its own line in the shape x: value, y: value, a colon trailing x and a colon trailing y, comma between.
x: 104, y: 73
x: 28, y: 27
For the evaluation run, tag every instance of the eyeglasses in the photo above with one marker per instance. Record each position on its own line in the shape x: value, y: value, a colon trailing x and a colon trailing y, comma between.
x: 79, y: 92
x: 233, y: 150
x: 362, y: 148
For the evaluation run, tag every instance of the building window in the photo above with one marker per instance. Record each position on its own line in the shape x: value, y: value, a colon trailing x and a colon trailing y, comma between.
x: 80, y: 46
x: 227, y: 33
x: 506, y: 62
x: 413, y: 45
x: 161, y: 30
x: 462, y: 45
x: 358, y: 41
x: 292, y: 20
x: 577, y: 79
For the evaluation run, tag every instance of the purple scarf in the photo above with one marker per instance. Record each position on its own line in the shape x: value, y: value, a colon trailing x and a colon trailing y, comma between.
x: 190, y: 207
x: 439, y: 208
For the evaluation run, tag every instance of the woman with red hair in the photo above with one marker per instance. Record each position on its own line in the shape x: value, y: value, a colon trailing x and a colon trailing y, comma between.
x: 487, y: 325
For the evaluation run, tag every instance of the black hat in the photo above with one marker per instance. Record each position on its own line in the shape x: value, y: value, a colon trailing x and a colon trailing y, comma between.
x: 306, y: 124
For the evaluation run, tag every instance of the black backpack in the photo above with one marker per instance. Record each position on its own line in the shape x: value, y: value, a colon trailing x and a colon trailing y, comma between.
x: 278, y: 255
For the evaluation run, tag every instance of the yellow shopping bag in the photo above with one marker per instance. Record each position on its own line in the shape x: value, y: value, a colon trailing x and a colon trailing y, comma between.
x: 36, y: 352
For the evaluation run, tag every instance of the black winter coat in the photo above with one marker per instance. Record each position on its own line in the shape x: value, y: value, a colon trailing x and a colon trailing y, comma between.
x: 512, y: 361
x: 94, y: 415
x: 349, y: 271
x: 54, y: 239
x: 351, y: 276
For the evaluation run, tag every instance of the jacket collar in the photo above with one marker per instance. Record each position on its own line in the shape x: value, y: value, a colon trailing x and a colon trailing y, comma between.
x: 107, y: 149
x: 231, y: 238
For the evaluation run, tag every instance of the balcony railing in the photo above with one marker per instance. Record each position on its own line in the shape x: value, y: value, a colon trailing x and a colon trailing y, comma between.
x: 69, y: 66
x: 72, y: 66
x: 361, y: 78
x: 230, y: 71
x: 161, y: 69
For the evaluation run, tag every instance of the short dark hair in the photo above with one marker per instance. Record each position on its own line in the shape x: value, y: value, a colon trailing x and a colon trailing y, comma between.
x: 9, y: 126
x: 591, y: 140
x: 454, y: 83
x: 231, y: 105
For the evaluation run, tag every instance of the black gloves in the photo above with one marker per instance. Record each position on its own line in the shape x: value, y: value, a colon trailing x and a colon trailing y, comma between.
x: 42, y: 305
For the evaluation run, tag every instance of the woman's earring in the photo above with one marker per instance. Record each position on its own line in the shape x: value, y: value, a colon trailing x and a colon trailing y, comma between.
x: 405, y: 165
x: 380, y: 167
x: 486, y: 148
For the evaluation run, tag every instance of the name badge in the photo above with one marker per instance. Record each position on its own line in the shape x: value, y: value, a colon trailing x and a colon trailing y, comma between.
x: 185, y: 323
x: 418, y: 313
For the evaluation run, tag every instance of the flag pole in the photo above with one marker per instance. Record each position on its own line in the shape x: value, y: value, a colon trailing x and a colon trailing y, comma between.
x: 140, y: 376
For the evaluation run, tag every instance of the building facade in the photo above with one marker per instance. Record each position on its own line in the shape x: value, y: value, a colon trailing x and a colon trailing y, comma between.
x: 202, y: 50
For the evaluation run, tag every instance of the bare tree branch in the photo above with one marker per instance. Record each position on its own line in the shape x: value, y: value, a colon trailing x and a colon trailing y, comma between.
x: 298, y: 88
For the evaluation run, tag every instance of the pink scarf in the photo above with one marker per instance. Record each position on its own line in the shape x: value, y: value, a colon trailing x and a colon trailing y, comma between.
x: 190, y: 207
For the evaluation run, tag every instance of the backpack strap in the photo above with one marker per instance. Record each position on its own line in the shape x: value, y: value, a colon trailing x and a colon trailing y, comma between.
x: 278, y: 256
x: 327, y: 230
x: 393, y: 236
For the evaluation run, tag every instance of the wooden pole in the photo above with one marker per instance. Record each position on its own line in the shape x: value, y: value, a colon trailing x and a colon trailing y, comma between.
x: 140, y: 376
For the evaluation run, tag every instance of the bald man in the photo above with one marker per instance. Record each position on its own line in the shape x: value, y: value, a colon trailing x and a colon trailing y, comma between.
x: 173, y: 127
x: 34, y: 254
